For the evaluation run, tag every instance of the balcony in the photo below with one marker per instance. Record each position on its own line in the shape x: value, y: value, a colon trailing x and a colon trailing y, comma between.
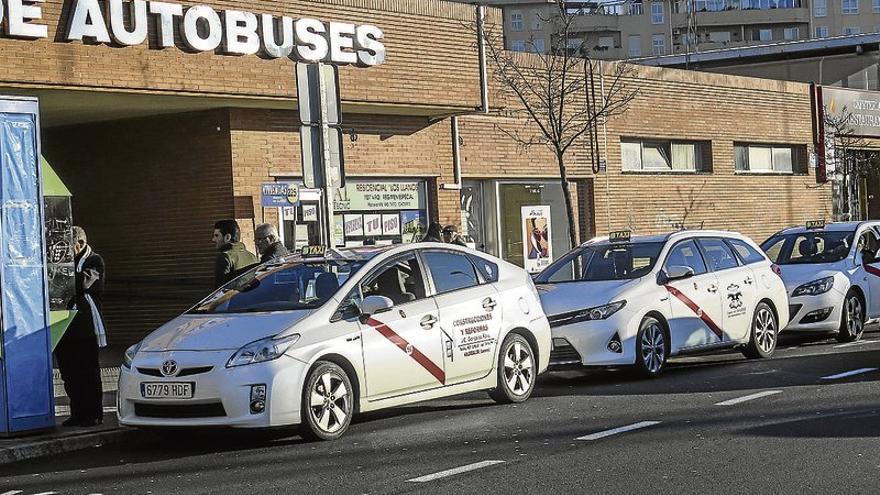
x: 736, y: 17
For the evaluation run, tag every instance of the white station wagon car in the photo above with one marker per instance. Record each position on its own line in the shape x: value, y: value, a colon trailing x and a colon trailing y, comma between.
x: 636, y: 301
x: 314, y: 340
x: 832, y: 275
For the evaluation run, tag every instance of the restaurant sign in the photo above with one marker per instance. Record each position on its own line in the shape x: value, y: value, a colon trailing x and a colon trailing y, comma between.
x: 860, y: 109
x: 202, y: 29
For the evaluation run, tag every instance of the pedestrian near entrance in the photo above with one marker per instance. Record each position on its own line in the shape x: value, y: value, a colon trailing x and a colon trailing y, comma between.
x: 232, y: 256
x: 434, y: 233
x: 451, y: 236
x: 77, y: 352
x: 268, y: 244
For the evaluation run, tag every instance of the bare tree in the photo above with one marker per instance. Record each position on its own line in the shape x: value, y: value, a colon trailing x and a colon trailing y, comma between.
x: 851, y: 163
x: 560, y: 94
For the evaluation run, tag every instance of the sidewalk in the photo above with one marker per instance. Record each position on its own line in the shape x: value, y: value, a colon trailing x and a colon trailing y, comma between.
x: 61, y: 439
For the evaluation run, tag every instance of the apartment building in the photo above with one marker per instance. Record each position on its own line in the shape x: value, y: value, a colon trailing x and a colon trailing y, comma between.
x: 620, y: 29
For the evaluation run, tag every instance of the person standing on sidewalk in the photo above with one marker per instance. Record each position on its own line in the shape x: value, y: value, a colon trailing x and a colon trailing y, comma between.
x: 77, y: 352
x: 268, y: 244
x: 451, y: 236
x: 232, y: 256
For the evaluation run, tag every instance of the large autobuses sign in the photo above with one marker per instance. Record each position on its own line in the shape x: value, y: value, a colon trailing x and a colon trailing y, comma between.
x: 202, y: 28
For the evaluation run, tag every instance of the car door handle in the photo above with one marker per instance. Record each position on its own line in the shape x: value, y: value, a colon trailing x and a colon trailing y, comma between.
x: 712, y: 288
x: 428, y: 322
x: 749, y: 280
x: 489, y: 303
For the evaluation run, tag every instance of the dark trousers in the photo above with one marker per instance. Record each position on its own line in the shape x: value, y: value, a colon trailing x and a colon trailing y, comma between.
x: 78, y: 363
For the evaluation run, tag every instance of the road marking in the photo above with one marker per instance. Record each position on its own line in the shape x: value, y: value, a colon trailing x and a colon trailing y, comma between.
x: 615, y: 431
x: 748, y: 397
x: 848, y: 373
x: 853, y: 344
x: 47, y: 493
x: 11, y: 492
x: 454, y: 471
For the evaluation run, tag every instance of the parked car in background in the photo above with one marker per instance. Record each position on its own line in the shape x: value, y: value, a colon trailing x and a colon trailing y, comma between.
x: 623, y: 300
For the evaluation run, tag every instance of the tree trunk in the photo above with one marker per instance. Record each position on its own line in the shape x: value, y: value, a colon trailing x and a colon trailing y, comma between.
x: 566, y: 193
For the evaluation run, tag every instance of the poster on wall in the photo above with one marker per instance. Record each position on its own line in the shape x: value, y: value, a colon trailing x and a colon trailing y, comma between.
x: 414, y: 226
x: 354, y: 225
x: 338, y: 230
x: 310, y: 212
x: 391, y: 224
x: 537, y: 245
x: 372, y: 225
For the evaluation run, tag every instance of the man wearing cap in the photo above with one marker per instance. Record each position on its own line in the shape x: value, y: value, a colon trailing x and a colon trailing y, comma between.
x: 451, y: 236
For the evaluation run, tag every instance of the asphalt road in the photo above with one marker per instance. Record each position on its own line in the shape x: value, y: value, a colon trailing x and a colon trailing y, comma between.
x: 712, y: 424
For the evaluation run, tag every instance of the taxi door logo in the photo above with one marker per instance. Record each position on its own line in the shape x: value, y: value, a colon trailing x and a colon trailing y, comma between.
x: 169, y: 368
x: 409, y: 349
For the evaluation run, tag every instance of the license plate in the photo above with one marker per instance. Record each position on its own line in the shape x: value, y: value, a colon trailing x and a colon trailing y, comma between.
x: 169, y: 390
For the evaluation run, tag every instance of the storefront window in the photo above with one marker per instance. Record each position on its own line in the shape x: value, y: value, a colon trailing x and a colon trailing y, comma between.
x: 528, y: 233
x: 472, y: 218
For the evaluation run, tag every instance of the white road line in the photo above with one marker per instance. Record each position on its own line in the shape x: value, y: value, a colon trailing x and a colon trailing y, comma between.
x: 748, y: 397
x: 11, y: 492
x: 454, y: 471
x: 615, y: 431
x: 47, y: 493
x: 848, y: 373
x: 858, y: 342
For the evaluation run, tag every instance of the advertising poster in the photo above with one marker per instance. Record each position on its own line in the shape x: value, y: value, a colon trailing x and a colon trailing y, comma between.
x: 338, y: 230
x: 391, y: 224
x: 354, y: 225
x: 310, y: 212
x: 414, y: 226
x: 537, y: 245
x: 372, y: 225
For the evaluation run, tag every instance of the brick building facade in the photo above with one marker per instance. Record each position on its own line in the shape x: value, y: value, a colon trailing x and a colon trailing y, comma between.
x: 156, y: 144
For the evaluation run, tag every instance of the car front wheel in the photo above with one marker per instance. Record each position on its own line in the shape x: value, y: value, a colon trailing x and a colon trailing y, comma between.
x: 652, y: 348
x: 517, y: 371
x: 764, y: 333
x: 327, y: 402
x: 852, y: 321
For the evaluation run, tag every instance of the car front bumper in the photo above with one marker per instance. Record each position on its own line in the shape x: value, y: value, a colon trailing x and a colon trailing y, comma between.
x: 589, y: 343
x: 802, y: 307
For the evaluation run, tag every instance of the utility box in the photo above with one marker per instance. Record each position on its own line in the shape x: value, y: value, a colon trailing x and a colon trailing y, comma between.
x: 26, y: 393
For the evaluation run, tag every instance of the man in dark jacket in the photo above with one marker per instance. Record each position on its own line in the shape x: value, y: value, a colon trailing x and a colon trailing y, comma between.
x: 77, y: 352
x: 434, y: 233
x: 232, y: 256
x: 451, y: 236
x: 268, y: 244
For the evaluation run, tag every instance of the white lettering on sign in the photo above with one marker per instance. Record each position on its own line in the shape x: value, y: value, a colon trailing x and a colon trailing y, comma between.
x: 203, y: 29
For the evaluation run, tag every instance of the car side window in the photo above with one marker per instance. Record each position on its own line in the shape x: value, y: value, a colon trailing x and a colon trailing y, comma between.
x: 868, y: 245
x: 746, y: 253
x: 686, y: 254
x: 399, y: 280
x: 718, y: 254
x: 487, y: 269
x: 775, y: 249
x: 450, y: 271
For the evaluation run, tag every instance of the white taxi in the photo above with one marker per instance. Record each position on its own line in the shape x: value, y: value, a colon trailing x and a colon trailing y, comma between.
x: 832, y: 275
x: 312, y: 341
x: 623, y: 300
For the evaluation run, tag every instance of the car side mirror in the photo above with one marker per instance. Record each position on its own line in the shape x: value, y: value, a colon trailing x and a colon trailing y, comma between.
x: 372, y: 305
x: 678, y: 272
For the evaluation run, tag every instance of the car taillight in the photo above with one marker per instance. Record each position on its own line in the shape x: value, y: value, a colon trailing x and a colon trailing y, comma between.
x: 776, y: 269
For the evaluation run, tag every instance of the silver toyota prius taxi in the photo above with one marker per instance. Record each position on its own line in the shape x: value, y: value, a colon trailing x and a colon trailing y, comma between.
x: 314, y: 339
x: 622, y: 300
x: 832, y: 275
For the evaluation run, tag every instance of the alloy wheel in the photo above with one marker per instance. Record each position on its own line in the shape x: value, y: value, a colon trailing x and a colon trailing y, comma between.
x: 330, y: 402
x: 653, y: 348
x: 765, y: 330
x: 854, y: 320
x: 518, y: 368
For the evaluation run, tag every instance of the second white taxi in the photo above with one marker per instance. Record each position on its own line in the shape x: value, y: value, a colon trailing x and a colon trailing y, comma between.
x: 622, y: 300
x: 312, y: 341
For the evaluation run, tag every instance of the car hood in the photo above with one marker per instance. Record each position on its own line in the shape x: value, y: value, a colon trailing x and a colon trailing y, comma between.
x: 572, y: 296
x: 797, y: 275
x: 199, y: 332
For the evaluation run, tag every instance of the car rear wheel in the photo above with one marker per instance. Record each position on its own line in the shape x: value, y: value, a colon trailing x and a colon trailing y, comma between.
x: 764, y: 333
x: 517, y: 371
x: 652, y: 347
x: 852, y: 321
x: 327, y: 402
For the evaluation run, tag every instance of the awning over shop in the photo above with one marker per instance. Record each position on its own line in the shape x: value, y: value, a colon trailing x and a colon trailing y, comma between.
x: 52, y: 185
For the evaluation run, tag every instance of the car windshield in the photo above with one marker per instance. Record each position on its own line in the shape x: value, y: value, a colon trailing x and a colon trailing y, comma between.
x: 603, y: 262
x: 281, y: 287
x: 805, y: 248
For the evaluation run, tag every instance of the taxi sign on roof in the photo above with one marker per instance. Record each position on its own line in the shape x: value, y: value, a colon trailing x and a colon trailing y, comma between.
x: 314, y: 250
x: 815, y: 224
x: 620, y: 236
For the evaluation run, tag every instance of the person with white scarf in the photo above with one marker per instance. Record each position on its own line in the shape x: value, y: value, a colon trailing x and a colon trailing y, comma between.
x: 77, y: 352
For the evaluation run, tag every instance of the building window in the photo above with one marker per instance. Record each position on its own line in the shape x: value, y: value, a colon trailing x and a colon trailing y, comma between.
x: 518, y: 45
x: 663, y: 155
x: 821, y: 8
x: 719, y: 36
x: 821, y: 31
x: 762, y: 35
x: 538, y: 23
x: 538, y: 46
x: 635, y: 46
x: 767, y: 158
x: 658, y: 44
x: 606, y: 42
x: 516, y: 21
x: 791, y: 33
x: 850, y: 6
x: 656, y: 13
x: 716, y: 5
x: 636, y: 8
x: 851, y: 30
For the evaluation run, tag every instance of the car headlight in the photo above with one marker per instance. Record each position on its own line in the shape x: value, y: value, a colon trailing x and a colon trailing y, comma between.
x: 603, y: 312
x: 130, y: 354
x: 262, y: 350
x: 814, y: 288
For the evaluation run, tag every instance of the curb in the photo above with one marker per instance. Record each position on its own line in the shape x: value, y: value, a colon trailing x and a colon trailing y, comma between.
x: 71, y: 443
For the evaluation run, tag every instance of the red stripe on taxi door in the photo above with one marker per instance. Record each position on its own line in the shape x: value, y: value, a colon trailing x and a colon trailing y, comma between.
x: 873, y: 270
x: 402, y: 344
x: 697, y: 310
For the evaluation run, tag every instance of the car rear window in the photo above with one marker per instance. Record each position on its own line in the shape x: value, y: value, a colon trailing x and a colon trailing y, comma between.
x: 746, y: 253
x: 811, y: 247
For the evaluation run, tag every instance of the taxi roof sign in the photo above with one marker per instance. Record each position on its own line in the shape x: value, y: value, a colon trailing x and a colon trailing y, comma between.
x: 314, y: 251
x: 815, y: 224
x: 620, y: 236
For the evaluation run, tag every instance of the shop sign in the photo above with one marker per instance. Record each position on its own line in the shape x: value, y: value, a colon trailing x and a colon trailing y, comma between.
x: 278, y: 194
x: 380, y: 195
x: 537, y: 240
x: 861, y: 109
x: 203, y: 29
x: 391, y: 224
